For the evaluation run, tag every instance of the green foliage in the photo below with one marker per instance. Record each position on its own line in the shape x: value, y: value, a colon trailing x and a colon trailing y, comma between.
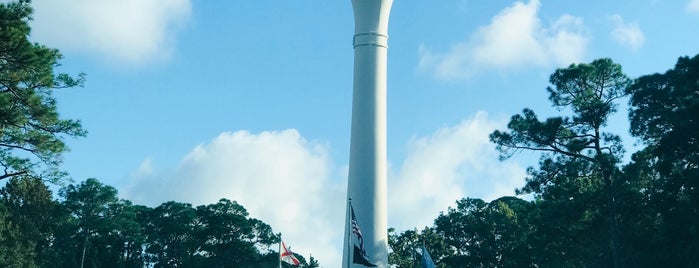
x: 92, y: 205
x: 405, y: 248
x: 588, y: 209
x: 589, y: 91
x: 172, y: 227
x: 31, y: 131
x: 28, y: 207
x: 589, y: 212
x: 230, y: 238
x: 312, y: 263
x: 215, y: 235
x: 578, y: 167
x: 665, y: 115
x: 480, y: 234
x: 91, y: 227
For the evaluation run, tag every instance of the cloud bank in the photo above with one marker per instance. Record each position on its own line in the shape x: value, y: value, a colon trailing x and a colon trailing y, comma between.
x: 291, y: 184
x: 453, y: 163
x: 278, y: 176
x: 130, y: 32
x: 626, y: 34
x: 515, y: 38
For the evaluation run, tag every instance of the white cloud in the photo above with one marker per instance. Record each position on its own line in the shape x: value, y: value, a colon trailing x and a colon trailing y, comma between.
x: 279, y: 177
x: 626, y: 34
x: 290, y: 183
x: 126, y: 31
x: 145, y: 169
x: 453, y: 163
x: 515, y: 38
x: 693, y: 7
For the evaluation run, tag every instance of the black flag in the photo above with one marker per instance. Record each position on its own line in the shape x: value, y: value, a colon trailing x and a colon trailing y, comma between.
x: 360, y: 256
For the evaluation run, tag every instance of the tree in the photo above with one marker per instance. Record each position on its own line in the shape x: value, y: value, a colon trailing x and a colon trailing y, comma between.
x: 119, y: 241
x: 91, y: 227
x: 480, y: 234
x: 31, y: 131
x: 29, y: 222
x: 579, y: 159
x: 89, y: 202
x: 644, y: 229
x: 665, y: 115
x: 230, y: 238
x: 129, y: 233
x: 5, y: 229
x: 215, y: 235
x: 405, y: 248
x: 312, y: 263
x: 172, y: 235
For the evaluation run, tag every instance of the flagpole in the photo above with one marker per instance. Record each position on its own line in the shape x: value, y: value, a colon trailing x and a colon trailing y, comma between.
x: 348, y: 232
x: 280, y: 250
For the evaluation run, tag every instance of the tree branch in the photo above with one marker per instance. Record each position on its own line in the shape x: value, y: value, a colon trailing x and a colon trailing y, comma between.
x: 12, y: 174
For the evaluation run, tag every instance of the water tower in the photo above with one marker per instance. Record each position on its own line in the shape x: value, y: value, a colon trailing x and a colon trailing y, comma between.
x: 368, y: 161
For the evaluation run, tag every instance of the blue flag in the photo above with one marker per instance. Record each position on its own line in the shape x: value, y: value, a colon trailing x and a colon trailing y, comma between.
x: 426, y: 261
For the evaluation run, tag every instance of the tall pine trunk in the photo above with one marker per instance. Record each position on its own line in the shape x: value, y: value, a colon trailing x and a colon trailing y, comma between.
x: 82, y: 259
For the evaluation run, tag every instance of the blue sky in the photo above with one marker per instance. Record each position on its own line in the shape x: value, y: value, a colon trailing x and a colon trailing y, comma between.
x: 251, y: 100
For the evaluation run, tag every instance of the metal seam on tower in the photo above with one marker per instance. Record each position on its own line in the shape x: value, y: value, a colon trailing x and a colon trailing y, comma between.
x: 365, y: 39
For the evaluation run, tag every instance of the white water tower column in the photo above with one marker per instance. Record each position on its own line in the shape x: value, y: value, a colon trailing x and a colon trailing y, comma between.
x: 368, y: 160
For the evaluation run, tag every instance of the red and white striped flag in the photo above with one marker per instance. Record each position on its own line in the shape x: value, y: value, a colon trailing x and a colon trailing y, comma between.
x: 288, y: 256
